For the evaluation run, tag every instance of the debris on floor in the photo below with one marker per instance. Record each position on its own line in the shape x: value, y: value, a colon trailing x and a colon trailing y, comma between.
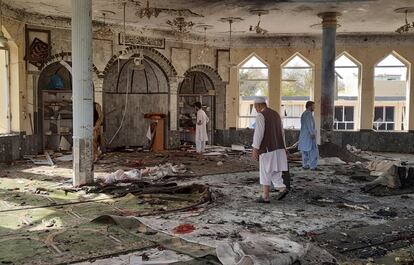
x: 185, y: 205
x: 41, y: 160
x: 260, y: 250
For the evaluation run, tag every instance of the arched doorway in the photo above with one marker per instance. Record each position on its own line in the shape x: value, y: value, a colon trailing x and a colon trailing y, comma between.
x: 55, y: 106
x: 203, y: 83
x: 196, y: 87
x: 129, y: 93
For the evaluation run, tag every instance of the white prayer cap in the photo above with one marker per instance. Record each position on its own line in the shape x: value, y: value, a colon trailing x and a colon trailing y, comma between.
x: 259, y: 100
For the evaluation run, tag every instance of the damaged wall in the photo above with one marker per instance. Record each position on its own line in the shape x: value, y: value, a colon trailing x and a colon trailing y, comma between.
x: 129, y: 94
x: 365, y: 140
x: 183, y: 55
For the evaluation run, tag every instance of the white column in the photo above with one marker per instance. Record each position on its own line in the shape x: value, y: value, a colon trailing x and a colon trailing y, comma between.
x: 5, y: 112
x: 82, y: 92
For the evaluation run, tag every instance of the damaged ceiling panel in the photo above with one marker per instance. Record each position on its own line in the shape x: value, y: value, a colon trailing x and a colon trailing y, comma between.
x: 285, y: 16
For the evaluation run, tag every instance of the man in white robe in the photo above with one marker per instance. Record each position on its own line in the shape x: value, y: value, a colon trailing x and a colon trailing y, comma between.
x: 307, y: 138
x: 201, y: 136
x: 269, y: 149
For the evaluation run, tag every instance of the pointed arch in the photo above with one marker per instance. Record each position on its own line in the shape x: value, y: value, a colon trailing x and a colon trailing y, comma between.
x: 300, y: 56
x: 350, y: 57
x: 397, y: 56
x: 151, y: 53
x: 253, y: 56
x: 391, y: 86
x: 253, y: 75
x: 347, y: 104
x: 297, y: 87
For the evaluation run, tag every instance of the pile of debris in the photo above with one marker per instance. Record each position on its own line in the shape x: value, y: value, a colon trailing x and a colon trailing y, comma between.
x: 393, y: 178
x: 155, y: 173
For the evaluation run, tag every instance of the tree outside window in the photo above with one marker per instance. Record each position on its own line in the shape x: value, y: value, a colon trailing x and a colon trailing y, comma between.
x: 253, y: 82
x: 296, y: 87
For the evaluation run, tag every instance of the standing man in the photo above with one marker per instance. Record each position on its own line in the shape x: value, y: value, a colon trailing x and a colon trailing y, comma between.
x: 269, y: 149
x: 201, y: 128
x: 307, y: 138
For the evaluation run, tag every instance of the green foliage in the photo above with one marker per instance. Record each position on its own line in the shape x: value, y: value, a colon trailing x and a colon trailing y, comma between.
x: 299, y: 82
x: 249, y: 86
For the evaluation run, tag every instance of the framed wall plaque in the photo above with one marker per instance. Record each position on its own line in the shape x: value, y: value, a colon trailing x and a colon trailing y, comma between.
x: 38, y: 46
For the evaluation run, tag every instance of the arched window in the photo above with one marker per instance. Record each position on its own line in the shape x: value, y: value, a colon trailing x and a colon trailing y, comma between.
x: 253, y: 81
x: 391, y: 94
x: 346, y: 93
x: 297, y: 84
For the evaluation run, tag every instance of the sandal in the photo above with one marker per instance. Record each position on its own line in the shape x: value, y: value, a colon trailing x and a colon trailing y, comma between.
x: 282, y: 195
x: 261, y: 200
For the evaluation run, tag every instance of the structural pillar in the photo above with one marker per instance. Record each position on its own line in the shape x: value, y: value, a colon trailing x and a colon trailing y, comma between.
x: 275, y: 87
x: 82, y: 92
x: 410, y: 108
x: 367, y: 95
x: 329, y: 25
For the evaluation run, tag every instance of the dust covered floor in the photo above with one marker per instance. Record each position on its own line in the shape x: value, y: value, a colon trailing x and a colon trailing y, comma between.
x: 182, y: 217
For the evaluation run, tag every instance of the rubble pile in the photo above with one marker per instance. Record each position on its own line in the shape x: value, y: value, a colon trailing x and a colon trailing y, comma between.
x: 147, y: 173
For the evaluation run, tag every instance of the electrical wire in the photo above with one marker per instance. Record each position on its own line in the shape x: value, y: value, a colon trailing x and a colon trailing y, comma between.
x: 125, y: 109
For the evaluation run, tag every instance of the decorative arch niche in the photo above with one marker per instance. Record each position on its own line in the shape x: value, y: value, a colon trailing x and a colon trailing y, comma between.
x: 203, y: 80
x: 129, y: 93
x: 61, y: 65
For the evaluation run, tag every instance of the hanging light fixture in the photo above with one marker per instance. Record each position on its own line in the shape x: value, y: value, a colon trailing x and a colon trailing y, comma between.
x: 258, y: 29
x: 231, y: 20
x: 407, y: 26
x: 148, y: 11
x: 179, y: 25
x: 205, y: 48
x: 3, y: 40
x: 139, y: 62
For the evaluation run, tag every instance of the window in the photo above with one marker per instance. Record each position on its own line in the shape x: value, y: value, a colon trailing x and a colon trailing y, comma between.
x: 297, y: 84
x: 390, y: 90
x: 346, y: 93
x: 254, y: 81
x: 291, y: 115
x: 384, y: 118
x: 5, y: 122
x: 344, y: 118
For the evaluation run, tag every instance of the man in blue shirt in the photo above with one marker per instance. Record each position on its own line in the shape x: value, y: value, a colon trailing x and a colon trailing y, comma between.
x: 307, y: 138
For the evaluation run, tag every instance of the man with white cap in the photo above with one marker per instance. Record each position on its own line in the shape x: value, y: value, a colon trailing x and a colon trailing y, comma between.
x: 201, y: 128
x: 269, y: 149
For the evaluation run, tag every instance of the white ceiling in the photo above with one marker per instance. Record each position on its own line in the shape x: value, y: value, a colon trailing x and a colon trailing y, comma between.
x: 285, y: 16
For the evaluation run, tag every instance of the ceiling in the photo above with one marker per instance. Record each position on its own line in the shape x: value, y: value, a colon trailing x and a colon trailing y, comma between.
x: 285, y: 16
